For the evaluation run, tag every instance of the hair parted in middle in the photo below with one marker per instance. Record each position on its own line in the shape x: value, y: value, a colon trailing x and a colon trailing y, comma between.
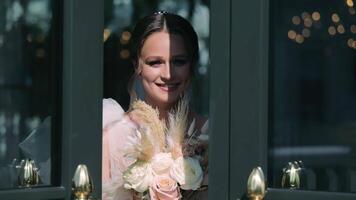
x: 171, y: 23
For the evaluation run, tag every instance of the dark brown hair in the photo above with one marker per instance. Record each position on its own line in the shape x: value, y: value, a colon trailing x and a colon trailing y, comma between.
x: 163, y: 21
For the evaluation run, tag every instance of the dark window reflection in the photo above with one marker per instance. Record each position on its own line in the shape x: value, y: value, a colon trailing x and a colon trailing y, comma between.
x: 121, y: 16
x: 313, y: 93
x: 27, y: 87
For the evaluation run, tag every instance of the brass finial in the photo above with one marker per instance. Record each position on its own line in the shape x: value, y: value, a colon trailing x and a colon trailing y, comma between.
x: 28, y: 174
x: 256, y: 187
x: 291, y: 175
x: 82, y: 185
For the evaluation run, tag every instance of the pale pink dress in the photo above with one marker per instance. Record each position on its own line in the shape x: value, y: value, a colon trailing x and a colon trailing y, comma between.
x: 117, y: 127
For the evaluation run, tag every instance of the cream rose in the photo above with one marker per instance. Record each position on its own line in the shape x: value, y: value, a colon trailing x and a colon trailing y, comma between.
x: 164, y: 188
x: 187, y: 172
x: 138, y: 176
x: 161, y: 163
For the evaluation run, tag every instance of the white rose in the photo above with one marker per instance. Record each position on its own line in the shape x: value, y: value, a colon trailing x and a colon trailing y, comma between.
x: 187, y: 172
x: 138, y: 176
x: 161, y: 163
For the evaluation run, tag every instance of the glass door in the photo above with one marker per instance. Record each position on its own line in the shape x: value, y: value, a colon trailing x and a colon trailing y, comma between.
x: 50, y: 96
x: 292, y: 98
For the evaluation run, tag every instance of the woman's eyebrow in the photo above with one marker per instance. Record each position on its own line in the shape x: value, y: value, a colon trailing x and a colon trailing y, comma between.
x: 180, y: 56
x: 153, y: 57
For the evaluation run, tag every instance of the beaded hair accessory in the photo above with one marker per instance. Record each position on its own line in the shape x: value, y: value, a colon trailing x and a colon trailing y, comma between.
x: 161, y: 12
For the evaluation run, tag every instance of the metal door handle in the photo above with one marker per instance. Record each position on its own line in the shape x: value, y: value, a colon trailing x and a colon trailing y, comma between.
x: 256, y: 187
x: 82, y: 184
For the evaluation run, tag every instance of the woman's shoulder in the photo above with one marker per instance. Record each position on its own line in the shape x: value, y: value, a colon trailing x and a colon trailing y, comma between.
x: 112, y: 112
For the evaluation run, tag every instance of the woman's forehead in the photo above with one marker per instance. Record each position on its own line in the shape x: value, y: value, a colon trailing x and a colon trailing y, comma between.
x: 163, y: 43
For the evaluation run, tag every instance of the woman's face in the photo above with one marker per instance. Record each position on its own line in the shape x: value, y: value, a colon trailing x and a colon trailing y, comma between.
x: 164, y: 67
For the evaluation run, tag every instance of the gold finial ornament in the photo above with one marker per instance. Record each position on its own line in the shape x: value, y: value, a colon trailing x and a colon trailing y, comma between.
x: 82, y: 185
x: 291, y: 175
x: 256, y: 187
x: 28, y: 174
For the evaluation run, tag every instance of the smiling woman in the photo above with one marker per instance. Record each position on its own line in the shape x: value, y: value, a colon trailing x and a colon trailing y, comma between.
x: 164, y: 69
x: 158, y: 149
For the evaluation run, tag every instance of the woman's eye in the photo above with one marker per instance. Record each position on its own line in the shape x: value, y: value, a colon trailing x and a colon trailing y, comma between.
x: 179, y: 62
x: 154, y: 63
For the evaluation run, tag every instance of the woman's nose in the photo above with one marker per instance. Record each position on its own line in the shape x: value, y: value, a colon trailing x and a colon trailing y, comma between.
x: 166, y: 72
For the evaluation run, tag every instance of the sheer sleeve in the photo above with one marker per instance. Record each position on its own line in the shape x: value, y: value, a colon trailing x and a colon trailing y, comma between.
x: 117, y: 126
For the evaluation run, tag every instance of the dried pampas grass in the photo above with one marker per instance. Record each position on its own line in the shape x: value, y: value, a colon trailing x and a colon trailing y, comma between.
x: 153, y: 136
x: 152, y: 129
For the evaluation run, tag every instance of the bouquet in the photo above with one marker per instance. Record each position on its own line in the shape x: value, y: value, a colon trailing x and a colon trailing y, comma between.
x: 164, y: 153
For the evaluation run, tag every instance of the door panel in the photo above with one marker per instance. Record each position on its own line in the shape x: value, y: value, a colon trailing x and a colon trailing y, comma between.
x: 29, y: 93
x: 249, y: 66
x: 77, y: 58
x: 313, y: 93
x: 219, y: 99
x: 254, y: 97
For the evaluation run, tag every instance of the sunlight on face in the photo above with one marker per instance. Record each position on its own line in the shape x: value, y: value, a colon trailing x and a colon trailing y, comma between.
x: 165, y: 68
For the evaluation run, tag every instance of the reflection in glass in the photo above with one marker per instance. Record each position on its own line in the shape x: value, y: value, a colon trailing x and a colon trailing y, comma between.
x: 313, y: 94
x: 26, y: 88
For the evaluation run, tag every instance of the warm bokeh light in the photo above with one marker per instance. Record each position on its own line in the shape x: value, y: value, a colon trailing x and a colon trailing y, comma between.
x: 316, y: 16
x: 308, y: 22
x: 296, y: 20
x: 107, y: 33
x: 353, y: 29
x: 354, y: 44
x: 305, y: 15
x: 332, y: 30
x: 350, y: 3
x: 125, y: 37
x: 340, y: 29
x: 349, y: 42
x: 306, y: 32
x: 299, y: 39
x: 124, y: 54
x: 335, y: 17
x: 292, y: 34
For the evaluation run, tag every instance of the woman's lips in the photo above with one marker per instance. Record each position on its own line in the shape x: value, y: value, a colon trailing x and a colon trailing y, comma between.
x: 168, y: 87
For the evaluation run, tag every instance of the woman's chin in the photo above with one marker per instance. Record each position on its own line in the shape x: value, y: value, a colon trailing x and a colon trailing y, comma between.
x: 167, y: 102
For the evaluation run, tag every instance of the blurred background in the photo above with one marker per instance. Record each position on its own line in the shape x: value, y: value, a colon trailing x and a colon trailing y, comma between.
x: 312, y: 81
x: 312, y: 93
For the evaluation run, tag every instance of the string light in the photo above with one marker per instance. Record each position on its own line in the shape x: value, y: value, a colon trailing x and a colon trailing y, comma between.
x: 125, y: 37
x: 353, y: 29
x: 349, y: 42
x: 335, y: 17
x: 350, y: 3
x: 296, y: 20
x: 332, y: 30
x: 306, y: 32
x: 308, y: 22
x: 299, y: 39
x: 340, y: 29
x: 316, y: 16
x: 292, y: 34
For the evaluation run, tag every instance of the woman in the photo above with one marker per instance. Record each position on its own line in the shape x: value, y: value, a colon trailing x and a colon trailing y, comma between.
x: 164, y: 54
